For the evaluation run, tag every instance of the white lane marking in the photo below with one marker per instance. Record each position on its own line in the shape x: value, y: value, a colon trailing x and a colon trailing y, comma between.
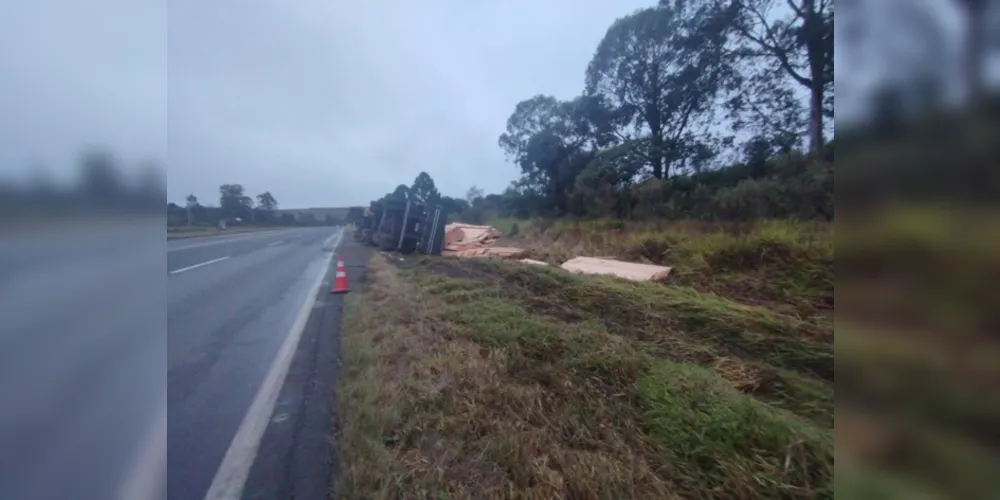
x: 232, y: 475
x: 276, y: 243
x: 328, y: 240
x: 150, y: 469
x: 196, y: 266
x: 339, y: 234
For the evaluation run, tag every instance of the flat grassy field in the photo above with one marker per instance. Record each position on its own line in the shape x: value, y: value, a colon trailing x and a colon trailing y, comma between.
x: 494, y: 379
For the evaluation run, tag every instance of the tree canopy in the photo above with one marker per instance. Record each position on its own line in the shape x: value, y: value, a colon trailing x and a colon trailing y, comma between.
x: 423, y: 189
x: 683, y: 103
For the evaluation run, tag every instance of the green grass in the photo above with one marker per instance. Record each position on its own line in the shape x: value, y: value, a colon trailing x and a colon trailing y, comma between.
x: 477, y: 379
x: 665, y: 316
x: 721, y: 440
x: 743, y: 330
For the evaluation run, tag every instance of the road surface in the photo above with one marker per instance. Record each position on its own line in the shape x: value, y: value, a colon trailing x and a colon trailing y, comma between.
x: 126, y: 377
x: 231, y: 303
x: 82, y: 360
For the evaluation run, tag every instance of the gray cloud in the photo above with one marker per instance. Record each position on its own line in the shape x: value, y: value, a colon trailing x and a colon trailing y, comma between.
x: 321, y: 102
x: 73, y: 74
x: 333, y: 103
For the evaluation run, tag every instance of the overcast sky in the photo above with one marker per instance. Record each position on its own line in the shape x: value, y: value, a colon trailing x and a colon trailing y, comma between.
x: 322, y: 102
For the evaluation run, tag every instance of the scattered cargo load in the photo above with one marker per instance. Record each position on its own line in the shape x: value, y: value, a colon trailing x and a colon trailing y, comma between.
x: 611, y: 267
x: 460, y: 236
x: 469, y: 240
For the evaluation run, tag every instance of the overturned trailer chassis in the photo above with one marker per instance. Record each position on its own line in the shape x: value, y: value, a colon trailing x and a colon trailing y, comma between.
x: 405, y: 226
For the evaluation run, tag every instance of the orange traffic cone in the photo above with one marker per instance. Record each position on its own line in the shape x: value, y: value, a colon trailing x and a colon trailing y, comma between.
x: 340, y: 282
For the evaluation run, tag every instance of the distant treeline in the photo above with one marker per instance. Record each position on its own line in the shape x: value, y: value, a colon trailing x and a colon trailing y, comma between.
x: 101, y: 185
x: 236, y: 208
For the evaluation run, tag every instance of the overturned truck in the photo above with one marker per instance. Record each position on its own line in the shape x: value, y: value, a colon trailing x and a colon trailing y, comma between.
x: 405, y: 226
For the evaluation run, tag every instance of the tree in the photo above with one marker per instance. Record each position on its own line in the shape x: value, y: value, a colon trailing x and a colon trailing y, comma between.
x: 454, y: 205
x: 663, y: 68
x: 267, y: 202
x: 799, y: 43
x: 148, y: 187
x: 603, y: 187
x: 174, y: 214
x: 423, y: 189
x: 100, y: 177
x: 974, y: 53
x: 766, y: 103
x: 473, y: 194
x: 192, y: 201
x: 233, y: 202
x: 552, y: 141
x: 402, y: 192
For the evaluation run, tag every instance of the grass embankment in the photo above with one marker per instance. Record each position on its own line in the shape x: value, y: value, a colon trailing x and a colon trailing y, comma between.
x: 784, y: 266
x: 482, y: 379
x: 919, y: 393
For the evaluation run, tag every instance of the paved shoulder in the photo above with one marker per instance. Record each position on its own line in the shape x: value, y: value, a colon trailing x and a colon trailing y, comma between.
x: 297, y: 457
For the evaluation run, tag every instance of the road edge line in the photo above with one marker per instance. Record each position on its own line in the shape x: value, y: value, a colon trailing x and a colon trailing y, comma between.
x: 149, y: 473
x: 231, y: 477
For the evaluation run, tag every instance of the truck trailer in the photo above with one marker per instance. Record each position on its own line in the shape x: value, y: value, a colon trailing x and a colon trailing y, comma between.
x: 405, y: 226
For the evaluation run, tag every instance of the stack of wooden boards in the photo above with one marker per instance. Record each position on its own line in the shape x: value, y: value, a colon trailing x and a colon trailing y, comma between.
x: 469, y: 240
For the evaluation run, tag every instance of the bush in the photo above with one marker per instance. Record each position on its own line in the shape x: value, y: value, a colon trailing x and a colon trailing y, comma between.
x: 752, y: 199
x: 795, y: 188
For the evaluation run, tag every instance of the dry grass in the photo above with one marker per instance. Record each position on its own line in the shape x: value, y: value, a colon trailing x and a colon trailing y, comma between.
x: 782, y: 265
x: 919, y: 360
x: 475, y: 379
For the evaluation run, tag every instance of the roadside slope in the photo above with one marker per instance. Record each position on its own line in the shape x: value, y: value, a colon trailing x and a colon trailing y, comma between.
x: 485, y: 379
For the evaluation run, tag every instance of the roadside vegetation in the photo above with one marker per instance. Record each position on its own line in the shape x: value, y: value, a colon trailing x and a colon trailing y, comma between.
x: 478, y: 378
x: 472, y: 378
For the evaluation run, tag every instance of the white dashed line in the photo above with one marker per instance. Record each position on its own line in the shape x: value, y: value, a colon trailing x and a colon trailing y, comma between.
x: 196, y: 266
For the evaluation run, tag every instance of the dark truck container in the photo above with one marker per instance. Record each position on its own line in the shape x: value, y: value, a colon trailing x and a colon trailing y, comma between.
x: 405, y: 226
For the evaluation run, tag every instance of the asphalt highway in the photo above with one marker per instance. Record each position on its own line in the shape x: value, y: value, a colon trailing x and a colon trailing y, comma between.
x: 231, y: 303
x: 126, y: 377
x: 82, y: 360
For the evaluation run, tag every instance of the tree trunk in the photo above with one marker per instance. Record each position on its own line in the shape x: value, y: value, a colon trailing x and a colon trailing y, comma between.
x: 812, y: 25
x: 816, y: 117
x: 974, y: 43
x: 657, y: 154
